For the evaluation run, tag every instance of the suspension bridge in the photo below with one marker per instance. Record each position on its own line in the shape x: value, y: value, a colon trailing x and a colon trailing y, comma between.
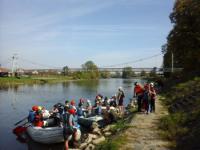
x: 110, y: 68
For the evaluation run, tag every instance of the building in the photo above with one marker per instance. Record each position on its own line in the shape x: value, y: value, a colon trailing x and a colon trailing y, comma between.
x: 4, y: 72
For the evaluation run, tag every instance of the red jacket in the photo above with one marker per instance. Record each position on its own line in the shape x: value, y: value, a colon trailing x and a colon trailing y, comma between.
x: 38, y: 121
x: 138, y: 89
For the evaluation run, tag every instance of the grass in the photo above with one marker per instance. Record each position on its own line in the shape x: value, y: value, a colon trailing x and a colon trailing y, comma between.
x: 182, y: 125
x: 6, y: 81
x: 112, y: 144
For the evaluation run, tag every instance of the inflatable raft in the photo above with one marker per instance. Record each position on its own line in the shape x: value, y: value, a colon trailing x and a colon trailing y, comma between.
x: 48, y: 135
x: 87, y: 122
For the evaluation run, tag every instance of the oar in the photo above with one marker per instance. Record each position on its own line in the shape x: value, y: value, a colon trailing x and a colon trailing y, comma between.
x: 20, y: 121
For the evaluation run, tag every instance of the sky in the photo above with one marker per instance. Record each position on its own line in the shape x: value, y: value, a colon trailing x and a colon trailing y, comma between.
x: 56, y: 33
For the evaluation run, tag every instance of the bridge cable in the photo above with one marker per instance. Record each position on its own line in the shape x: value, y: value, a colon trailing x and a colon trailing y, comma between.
x: 134, y: 61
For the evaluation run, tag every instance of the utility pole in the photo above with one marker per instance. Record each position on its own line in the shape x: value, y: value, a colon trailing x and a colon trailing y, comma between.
x: 14, y: 58
x: 172, y: 62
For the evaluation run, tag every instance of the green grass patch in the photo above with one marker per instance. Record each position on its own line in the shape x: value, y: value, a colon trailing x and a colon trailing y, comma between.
x: 112, y: 143
x: 182, y: 125
x: 173, y: 125
x: 6, y: 81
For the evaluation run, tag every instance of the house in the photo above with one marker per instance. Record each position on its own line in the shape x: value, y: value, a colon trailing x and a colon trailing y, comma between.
x: 35, y: 72
x: 4, y: 72
x: 20, y: 71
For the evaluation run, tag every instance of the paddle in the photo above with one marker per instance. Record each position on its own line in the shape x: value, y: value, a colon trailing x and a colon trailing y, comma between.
x: 20, y: 121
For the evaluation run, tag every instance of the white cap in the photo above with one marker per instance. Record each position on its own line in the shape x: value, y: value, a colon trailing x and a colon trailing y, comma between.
x: 120, y: 88
x: 151, y: 84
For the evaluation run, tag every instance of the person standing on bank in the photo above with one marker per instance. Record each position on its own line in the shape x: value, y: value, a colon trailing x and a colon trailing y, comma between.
x: 138, y: 92
x: 153, y: 97
x: 146, y: 98
x: 120, y: 98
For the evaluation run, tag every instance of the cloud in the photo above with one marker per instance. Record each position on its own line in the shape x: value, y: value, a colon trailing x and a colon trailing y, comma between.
x: 31, y: 20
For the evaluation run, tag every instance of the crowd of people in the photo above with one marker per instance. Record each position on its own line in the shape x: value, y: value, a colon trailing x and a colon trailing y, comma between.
x: 146, y: 96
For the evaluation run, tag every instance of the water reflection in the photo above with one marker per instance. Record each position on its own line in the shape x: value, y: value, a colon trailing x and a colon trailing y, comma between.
x: 9, y: 87
x: 31, y: 145
x: 66, y: 84
x: 91, y: 85
x: 128, y: 81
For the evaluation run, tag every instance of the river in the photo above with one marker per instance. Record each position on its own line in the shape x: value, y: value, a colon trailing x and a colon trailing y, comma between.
x: 16, y: 101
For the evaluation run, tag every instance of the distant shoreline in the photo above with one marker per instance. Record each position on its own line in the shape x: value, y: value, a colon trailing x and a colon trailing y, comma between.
x: 6, y: 81
x: 9, y: 81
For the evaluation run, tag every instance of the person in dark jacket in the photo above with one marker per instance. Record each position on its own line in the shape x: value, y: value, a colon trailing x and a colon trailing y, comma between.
x: 68, y: 126
x: 120, y: 98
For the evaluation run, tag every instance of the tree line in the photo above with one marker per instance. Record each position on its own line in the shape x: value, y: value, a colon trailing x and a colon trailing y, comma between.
x: 183, y: 40
x: 90, y: 71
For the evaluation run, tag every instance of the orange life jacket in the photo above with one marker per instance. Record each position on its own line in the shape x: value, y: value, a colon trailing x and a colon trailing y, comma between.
x: 39, y: 124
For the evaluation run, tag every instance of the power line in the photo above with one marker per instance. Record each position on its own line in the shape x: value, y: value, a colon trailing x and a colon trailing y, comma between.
x: 53, y: 67
x: 37, y: 64
x: 134, y: 61
x: 5, y: 62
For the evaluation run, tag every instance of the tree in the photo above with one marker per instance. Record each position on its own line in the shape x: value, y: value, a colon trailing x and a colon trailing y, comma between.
x: 143, y: 73
x: 66, y: 70
x: 89, y: 66
x: 116, y: 74
x: 105, y: 74
x: 153, y: 72
x: 184, y: 39
x: 127, y: 72
x: 90, y: 70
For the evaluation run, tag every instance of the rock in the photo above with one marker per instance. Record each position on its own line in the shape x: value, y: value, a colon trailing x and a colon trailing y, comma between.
x: 88, y: 140
x: 106, y: 129
x: 99, y: 140
x: 90, y: 147
x: 97, y: 131
x: 115, y: 114
x: 83, y: 145
x: 93, y: 136
x: 94, y: 125
x: 107, y: 133
x: 112, y: 126
x: 84, y: 137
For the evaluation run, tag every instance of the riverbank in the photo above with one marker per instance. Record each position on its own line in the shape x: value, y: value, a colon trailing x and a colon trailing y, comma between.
x: 116, y: 138
x: 175, y: 125
x: 182, y: 125
x: 14, y: 81
x: 142, y: 133
x: 6, y: 81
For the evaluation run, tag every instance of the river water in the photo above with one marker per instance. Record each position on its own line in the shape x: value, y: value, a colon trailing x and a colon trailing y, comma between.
x: 16, y: 101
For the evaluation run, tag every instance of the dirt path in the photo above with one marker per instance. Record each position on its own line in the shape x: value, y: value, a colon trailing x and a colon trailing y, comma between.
x: 144, y: 133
